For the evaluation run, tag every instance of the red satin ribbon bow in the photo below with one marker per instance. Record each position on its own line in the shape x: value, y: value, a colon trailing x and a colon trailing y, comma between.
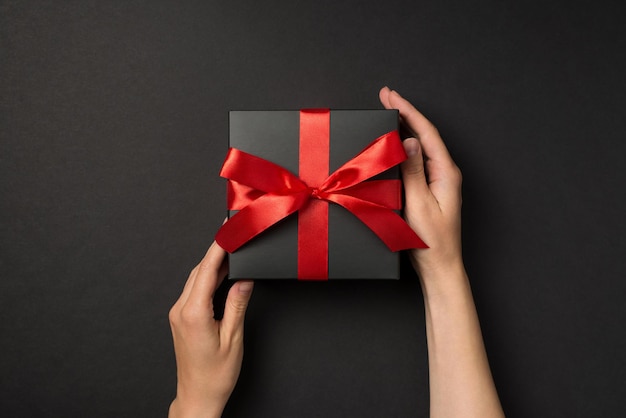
x: 264, y: 193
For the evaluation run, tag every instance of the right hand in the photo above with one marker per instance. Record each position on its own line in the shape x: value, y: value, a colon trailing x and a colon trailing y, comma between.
x: 432, y: 186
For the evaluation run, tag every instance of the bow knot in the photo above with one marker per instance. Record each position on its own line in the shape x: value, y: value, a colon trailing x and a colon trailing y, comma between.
x: 317, y: 193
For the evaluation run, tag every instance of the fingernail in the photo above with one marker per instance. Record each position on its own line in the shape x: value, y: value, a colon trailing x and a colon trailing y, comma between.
x: 411, y: 146
x: 245, y: 287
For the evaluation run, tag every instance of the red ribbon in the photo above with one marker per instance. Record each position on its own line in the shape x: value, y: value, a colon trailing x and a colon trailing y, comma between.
x: 264, y: 193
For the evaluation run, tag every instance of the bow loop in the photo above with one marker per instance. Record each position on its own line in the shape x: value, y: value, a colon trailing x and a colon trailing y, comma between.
x: 260, y: 174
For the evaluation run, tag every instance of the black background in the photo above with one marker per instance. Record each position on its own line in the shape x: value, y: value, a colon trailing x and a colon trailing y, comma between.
x: 114, y: 122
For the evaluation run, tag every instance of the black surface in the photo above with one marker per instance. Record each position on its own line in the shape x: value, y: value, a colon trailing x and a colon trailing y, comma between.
x: 354, y: 251
x: 113, y: 125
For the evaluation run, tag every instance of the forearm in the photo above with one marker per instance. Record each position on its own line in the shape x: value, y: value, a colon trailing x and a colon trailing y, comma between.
x: 461, y: 384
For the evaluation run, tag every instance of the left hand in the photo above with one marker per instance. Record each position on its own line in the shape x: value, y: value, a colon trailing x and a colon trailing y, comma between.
x: 208, y: 352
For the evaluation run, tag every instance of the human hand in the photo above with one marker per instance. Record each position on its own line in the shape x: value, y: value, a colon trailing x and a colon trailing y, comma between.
x: 208, y: 352
x: 432, y: 185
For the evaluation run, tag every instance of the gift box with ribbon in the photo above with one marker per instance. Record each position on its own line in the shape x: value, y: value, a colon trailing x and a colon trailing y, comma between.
x: 314, y: 195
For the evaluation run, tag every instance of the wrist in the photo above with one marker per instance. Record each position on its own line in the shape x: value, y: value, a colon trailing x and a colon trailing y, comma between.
x: 442, y: 279
x: 181, y: 409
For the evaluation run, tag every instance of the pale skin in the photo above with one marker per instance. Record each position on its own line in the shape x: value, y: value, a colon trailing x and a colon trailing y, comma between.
x: 461, y: 384
x: 209, y: 352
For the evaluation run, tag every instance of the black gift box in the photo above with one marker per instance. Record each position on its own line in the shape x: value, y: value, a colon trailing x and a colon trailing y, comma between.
x: 354, y: 251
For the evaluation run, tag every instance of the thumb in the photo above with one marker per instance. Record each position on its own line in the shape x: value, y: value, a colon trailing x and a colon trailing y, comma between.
x: 235, y: 307
x: 413, y: 174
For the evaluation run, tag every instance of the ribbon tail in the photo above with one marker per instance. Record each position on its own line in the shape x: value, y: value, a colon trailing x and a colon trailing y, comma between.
x: 256, y: 218
x: 385, y: 223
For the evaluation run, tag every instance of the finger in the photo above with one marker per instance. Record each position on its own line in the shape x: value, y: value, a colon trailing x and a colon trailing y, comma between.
x: 383, y: 95
x: 209, y: 273
x: 413, y: 173
x: 433, y: 146
x: 190, y: 281
x: 235, y: 308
